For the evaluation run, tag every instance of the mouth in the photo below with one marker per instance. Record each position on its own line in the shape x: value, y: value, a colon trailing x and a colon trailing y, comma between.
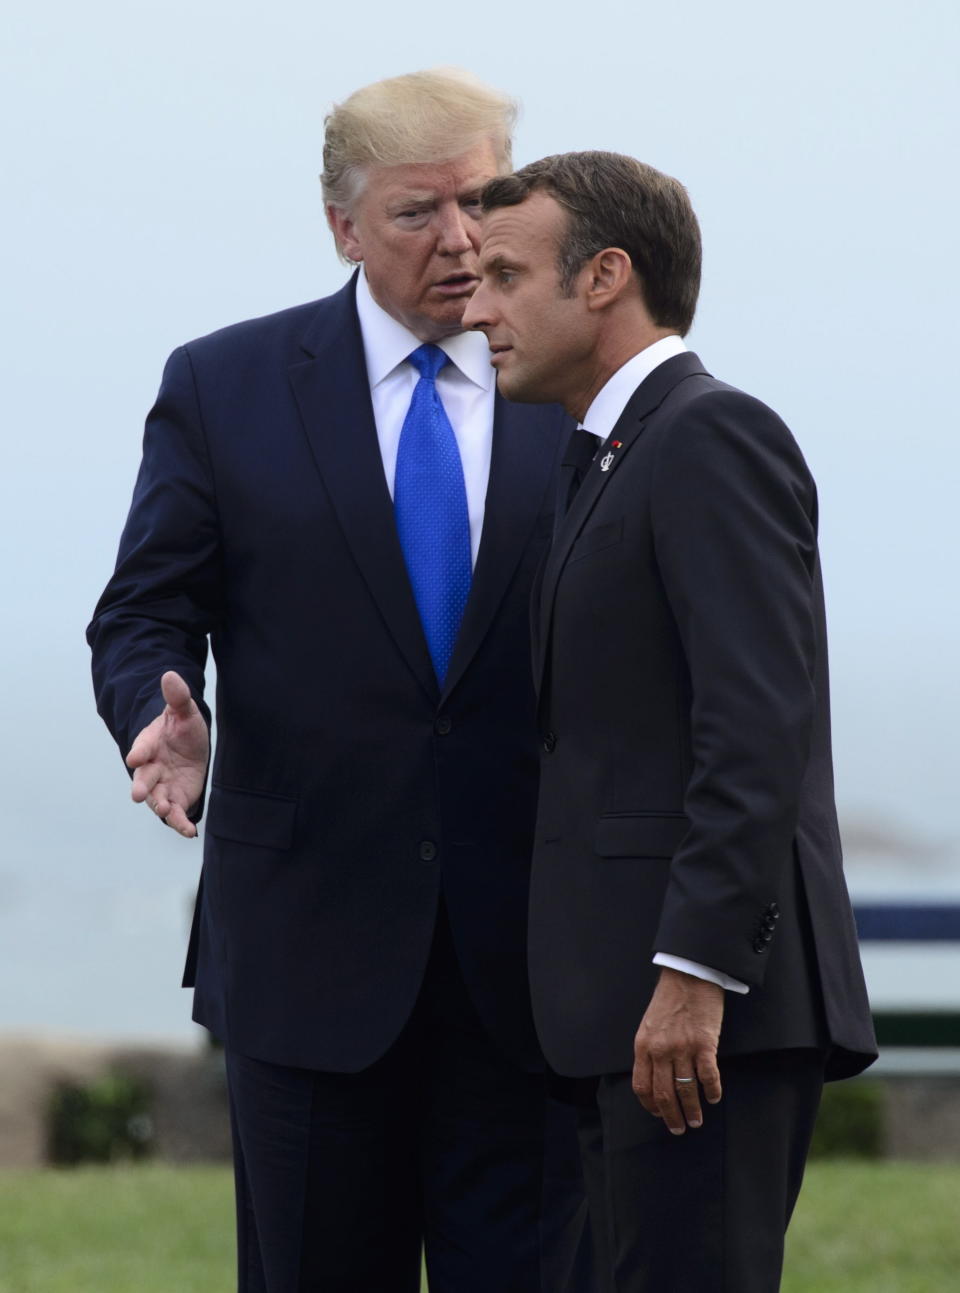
x: 459, y: 284
x: 497, y: 353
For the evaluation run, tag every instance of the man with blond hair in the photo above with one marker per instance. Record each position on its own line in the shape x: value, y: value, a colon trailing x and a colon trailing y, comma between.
x: 338, y: 499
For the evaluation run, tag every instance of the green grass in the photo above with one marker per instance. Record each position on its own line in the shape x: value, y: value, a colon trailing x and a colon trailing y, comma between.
x: 117, y: 1230
x: 876, y: 1227
x: 859, y: 1227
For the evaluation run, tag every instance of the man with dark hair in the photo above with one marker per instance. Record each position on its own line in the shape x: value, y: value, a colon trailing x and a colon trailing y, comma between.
x: 691, y: 937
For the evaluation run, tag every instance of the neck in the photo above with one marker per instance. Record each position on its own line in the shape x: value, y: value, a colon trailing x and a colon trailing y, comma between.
x: 608, y: 357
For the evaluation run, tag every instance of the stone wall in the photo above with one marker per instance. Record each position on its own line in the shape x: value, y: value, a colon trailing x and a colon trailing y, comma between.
x: 922, y: 1116
x: 190, y: 1113
x: 191, y: 1119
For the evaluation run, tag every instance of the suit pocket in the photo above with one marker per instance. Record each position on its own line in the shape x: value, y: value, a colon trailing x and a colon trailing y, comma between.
x: 250, y: 817
x: 596, y: 539
x: 640, y: 835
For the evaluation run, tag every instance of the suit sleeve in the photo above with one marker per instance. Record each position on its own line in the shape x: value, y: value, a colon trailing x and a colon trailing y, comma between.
x: 734, y: 530
x: 164, y: 597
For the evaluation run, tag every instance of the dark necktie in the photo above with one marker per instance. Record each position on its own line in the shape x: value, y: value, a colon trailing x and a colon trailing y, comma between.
x: 430, y: 504
x: 579, y: 454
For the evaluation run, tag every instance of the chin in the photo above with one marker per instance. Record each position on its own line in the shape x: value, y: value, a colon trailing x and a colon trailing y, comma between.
x: 450, y: 316
x: 513, y: 386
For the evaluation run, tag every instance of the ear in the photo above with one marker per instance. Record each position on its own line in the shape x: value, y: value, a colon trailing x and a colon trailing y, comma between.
x: 344, y: 230
x: 609, y: 274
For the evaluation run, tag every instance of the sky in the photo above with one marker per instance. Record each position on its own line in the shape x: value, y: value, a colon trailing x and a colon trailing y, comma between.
x: 160, y: 168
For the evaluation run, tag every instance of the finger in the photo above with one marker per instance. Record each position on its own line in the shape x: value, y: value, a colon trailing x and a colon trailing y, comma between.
x: 157, y: 803
x: 177, y: 819
x: 709, y: 1076
x: 176, y: 693
x: 665, y: 1096
x: 144, y: 780
x: 160, y: 801
x: 143, y: 749
x: 688, y: 1094
x: 642, y: 1082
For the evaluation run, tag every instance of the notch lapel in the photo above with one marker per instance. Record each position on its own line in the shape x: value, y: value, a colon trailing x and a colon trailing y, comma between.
x: 523, y: 459
x: 333, y: 396
x: 644, y: 402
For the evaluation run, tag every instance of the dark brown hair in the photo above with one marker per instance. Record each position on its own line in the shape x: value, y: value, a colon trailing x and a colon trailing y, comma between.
x: 615, y: 201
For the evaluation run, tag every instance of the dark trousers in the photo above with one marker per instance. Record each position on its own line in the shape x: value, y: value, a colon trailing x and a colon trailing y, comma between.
x: 705, y: 1212
x: 442, y: 1144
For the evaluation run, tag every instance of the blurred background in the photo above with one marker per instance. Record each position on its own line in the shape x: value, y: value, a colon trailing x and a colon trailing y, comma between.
x: 160, y: 168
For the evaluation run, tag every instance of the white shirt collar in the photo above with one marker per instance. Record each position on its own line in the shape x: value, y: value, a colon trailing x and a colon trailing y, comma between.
x: 612, y: 398
x: 387, y: 343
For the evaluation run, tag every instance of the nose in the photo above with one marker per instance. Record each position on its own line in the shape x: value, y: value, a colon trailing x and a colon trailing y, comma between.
x: 454, y: 229
x: 478, y: 313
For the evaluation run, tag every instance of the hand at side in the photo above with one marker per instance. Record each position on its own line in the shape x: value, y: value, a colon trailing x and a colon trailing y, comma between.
x: 678, y: 1038
x: 169, y: 757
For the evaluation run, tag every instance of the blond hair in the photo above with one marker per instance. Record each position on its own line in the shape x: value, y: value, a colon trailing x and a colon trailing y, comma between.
x: 430, y: 116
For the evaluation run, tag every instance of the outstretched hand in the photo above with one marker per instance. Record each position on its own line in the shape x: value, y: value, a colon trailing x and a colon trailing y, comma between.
x: 169, y: 757
x: 677, y: 1041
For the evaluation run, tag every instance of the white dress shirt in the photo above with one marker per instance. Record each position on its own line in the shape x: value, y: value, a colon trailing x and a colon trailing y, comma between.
x: 600, y: 419
x: 466, y: 388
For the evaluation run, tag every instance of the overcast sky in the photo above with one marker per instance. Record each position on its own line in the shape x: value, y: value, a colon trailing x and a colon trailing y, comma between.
x: 159, y: 180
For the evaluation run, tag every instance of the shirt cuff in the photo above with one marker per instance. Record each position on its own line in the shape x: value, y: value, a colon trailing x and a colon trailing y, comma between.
x: 700, y: 971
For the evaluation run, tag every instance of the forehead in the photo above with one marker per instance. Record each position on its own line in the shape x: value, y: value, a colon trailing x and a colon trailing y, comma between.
x: 522, y: 231
x: 469, y: 171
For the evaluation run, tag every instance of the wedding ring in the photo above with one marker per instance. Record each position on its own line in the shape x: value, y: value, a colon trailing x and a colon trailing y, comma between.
x: 679, y: 1081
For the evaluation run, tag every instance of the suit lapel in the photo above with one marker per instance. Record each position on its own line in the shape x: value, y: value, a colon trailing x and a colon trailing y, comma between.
x: 631, y: 424
x: 522, y: 464
x: 333, y: 395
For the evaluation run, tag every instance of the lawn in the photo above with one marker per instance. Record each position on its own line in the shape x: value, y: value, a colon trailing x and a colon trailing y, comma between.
x: 877, y: 1227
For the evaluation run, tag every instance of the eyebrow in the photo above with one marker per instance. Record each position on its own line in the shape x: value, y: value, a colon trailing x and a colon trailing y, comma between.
x: 428, y: 197
x: 499, y: 261
x: 423, y: 198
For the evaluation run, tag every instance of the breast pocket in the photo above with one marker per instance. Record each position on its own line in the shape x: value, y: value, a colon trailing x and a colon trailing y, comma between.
x: 251, y: 817
x: 596, y: 539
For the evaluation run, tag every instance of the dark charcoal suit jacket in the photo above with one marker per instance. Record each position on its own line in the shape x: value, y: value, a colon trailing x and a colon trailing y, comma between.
x: 346, y: 787
x: 686, y: 799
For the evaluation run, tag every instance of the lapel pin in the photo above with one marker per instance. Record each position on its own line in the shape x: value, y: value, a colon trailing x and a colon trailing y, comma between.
x: 608, y: 457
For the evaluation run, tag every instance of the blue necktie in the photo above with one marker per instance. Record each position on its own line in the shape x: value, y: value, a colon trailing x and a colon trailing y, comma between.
x: 430, y: 503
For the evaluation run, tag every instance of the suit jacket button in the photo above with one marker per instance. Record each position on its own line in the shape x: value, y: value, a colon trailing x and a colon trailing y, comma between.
x: 549, y: 742
x: 774, y: 911
x: 759, y: 945
x: 443, y: 726
x: 428, y: 850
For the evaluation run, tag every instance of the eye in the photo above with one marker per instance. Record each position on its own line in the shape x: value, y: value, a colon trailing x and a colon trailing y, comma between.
x: 412, y: 217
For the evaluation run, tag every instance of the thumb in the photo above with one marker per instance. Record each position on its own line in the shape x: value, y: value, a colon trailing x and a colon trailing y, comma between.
x: 176, y: 693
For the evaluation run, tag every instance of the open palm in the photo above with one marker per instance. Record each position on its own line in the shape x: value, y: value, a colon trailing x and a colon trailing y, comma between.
x: 169, y: 757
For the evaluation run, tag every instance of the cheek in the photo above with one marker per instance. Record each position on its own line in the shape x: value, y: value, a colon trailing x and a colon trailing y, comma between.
x: 394, y: 263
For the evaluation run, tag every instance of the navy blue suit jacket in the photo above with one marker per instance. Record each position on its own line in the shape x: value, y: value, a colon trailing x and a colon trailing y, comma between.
x: 346, y: 789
